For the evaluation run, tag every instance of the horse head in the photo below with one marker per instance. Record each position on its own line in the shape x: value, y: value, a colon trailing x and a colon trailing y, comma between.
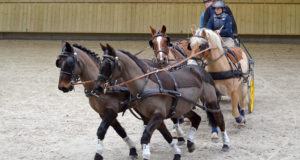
x: 203, y: 39
x: 69, y: 67
x: 160, y: 44
x: 110, y: 68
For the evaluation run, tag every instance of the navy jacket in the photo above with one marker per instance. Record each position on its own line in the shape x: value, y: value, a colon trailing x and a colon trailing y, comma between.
x: 209, y: 12
x: 227, y: 29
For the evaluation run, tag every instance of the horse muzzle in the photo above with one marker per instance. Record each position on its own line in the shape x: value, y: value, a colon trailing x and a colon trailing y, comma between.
x: 66, y: 89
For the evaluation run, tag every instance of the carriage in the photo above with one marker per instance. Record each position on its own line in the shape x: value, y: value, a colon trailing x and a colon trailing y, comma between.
x: 250, y: 80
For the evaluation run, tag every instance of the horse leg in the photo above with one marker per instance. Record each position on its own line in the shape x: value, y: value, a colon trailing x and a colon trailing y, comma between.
x: 107, y: 118
x: 155, y: 121
x: 217, y: 119
x: 179, y: 131
x: 235, y: 112
x: 195, y: 122
x: 168, y: 137
x: 121, y: 132
x: 243, y: 99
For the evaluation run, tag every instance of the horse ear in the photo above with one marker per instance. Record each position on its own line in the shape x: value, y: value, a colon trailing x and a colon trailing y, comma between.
x: 163, y: 29
x: 111, y: 51
x: 63, y: 43
x: 203, y: 33
x: 103, y: 47
x: 68, y: 47
x: 153, y: 31
x: 193, y: 31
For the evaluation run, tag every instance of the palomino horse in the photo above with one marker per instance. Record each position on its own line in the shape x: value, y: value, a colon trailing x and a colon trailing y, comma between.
x: 155, y: 95
x: 78, y: 62
x: 162, y: 46
x: 230, y: 74
x: 163, y: 53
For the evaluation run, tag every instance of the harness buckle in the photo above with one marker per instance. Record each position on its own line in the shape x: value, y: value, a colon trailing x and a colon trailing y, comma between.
x: 93, y: 92
x: 105, y: 87
x: 138, y: 96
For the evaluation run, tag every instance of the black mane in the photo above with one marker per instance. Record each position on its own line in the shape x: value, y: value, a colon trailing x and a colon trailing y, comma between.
x: 139, y: 62
x: 200, y: 73
x: 92, y: 54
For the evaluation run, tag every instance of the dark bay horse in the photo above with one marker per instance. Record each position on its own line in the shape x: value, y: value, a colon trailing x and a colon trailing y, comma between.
x: 78, y: 62
x: 154, y: 101
x: 160, y: 44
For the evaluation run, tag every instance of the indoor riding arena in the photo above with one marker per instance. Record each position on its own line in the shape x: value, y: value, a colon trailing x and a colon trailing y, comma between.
x: 39, y: 121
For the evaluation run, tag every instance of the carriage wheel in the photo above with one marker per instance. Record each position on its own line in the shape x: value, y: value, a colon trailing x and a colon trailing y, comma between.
x: 251, y: 94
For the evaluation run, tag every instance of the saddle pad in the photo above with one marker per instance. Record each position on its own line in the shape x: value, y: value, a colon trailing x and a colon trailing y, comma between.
x: 238, y: 52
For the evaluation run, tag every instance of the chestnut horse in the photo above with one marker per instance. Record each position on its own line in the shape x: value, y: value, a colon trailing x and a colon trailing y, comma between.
x: 155, y: 95
x: 78, y: 62
x: 165, y: 51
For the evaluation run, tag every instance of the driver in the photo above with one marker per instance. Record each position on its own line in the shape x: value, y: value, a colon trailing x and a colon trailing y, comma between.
x: 219, y: 19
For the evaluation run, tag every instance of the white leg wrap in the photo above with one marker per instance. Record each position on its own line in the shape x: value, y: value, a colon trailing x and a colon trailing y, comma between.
x: 176, y: 149
x: 225, y: 138
x: 99, y: 147
x: 129, y: 142
x: 146, y: 151
x: 191, y: 134
x: 179, y: 131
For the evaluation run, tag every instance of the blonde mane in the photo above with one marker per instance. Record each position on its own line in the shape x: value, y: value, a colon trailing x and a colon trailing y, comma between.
x: 213, y: 39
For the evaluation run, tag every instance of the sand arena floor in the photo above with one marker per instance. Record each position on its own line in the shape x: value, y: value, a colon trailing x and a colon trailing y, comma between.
x: 40, y: 122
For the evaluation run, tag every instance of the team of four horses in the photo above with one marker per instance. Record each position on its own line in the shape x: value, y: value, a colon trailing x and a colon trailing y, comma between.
x: 169, y: 86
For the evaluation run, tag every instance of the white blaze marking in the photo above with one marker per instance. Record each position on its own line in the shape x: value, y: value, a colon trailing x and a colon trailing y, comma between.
x: 159, y: 47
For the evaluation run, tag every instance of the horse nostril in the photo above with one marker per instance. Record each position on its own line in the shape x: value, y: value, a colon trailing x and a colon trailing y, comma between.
x: 64, y: 89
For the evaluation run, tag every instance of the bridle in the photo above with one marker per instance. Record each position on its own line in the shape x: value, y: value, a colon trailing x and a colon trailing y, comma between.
x: 114, y: 63
x: 74, y: 78
x: 160, y: 51
x: 203, y: 47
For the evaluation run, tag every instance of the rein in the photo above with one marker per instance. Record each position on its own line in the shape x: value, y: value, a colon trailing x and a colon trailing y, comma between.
x: 147, y: 74
x: 156, y: 71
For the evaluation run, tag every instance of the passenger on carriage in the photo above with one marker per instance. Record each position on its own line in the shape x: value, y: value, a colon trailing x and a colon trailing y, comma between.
x: 207, y: 3
x: 219, y: 19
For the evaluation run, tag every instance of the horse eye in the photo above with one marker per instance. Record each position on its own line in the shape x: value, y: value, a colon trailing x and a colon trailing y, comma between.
x: 70, y: 62
x: 58, y: 65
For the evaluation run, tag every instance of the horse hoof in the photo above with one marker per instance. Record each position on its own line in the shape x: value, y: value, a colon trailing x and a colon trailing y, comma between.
x: 242, y: 124
x: 215, y: 140
x: 181, y: 141
x: 191, y: 146
x: 225, y: 148
x: 214, y: 137
x: 98, y: 157
x: 133, y: 154
x: 177, y: 157
x: 146, y: 156
x: 241, y: 121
